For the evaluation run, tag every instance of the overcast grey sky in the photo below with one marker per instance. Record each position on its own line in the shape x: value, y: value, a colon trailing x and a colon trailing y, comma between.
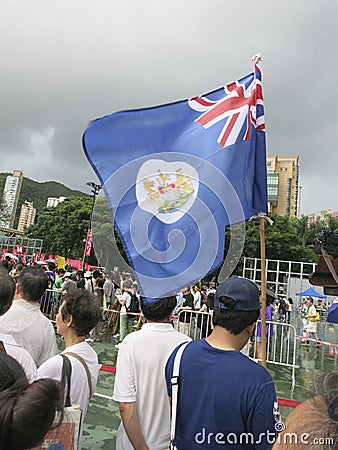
x: 67, y: 62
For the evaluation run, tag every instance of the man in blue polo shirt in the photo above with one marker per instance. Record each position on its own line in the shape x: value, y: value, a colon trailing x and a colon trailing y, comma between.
x: 224, y: 398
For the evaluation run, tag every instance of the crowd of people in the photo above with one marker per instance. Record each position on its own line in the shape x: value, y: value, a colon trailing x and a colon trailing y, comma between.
x: 218, y: 396
x: 27, y: 336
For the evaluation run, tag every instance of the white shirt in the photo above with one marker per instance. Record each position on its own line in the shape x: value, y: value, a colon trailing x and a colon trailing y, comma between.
x: 89, y: 285
x: 30, y: 329
x: 290, y: 306
x: 79, y: 388
x: 197, y: 300
x: 21, y: 355
x: 127, y: 298
x: 140, y: 378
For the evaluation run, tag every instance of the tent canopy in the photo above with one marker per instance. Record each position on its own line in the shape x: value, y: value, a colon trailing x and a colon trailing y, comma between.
x: 311, y: 293
x: 332, y: 314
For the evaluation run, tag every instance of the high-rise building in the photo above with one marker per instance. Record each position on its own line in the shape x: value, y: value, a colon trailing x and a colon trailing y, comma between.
x: 10, y: 198
x: 283, y: 189
x: 27, y: 215
x: 54, y: 201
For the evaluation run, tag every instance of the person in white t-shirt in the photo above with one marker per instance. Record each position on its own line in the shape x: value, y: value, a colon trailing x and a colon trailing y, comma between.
x: 89, y: 283
x: 11, y: 347
x: 24, y: 320
x: 197, y: 298
x: 126, y: 320
x: 140, y: 384
x: 78, y: 314
x: 288, y: 307
x: 311, y: 326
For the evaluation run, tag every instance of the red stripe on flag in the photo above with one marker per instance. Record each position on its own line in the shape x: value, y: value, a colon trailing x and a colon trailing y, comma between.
x: 258, y: 69
x: 203, y: 101
x: 229, y: 129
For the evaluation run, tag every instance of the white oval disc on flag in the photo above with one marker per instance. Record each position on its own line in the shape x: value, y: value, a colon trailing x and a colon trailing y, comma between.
x: 166, y: 189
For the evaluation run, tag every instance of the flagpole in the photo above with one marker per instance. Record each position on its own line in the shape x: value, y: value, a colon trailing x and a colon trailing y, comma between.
x: 95, y: 190
x: 263, y: 287
x: 256, y: 59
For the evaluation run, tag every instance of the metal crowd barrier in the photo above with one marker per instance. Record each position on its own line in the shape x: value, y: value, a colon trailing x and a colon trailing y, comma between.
x: 50, y: 303
x: 52, y: 299
x: 195, y: 324
x: 281, y: 345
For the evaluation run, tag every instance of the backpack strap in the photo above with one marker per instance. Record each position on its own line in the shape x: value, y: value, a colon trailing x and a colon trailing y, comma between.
x: 174, y: 389
x: 65, y: 378
x: 83, y: 362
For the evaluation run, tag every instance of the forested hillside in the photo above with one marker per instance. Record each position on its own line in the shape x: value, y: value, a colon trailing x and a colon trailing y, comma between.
x: 38, y: 193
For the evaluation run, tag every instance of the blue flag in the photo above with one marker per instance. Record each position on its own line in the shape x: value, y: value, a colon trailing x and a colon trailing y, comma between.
x: 176, y: 175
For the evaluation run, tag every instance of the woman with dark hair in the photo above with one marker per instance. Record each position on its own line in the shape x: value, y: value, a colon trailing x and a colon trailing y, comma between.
x: 98, y: 294
x: 4, y: 265
x: 27, y: 411
x: 10, y: 371
x: 204, y: 320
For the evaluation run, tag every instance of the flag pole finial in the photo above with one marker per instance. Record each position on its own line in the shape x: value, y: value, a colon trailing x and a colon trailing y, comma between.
x: 256, y: 58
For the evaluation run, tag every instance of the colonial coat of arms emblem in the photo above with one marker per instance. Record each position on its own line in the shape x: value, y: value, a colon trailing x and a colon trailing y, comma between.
x: 166, y: 189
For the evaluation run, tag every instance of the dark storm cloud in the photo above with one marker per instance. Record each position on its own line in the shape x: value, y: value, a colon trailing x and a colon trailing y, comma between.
x: 65, y: 63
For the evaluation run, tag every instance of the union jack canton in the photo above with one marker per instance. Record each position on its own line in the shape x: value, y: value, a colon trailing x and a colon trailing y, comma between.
x: 238, y: 108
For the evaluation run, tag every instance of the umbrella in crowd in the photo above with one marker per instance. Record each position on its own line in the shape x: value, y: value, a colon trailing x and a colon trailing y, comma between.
x: 310, y: 293
x: 332, y: 314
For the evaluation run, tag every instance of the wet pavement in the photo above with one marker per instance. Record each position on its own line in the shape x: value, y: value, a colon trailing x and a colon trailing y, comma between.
x: 103, y: 417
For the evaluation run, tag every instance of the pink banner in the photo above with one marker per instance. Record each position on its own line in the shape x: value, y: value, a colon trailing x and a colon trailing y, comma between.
x: 75, y: 263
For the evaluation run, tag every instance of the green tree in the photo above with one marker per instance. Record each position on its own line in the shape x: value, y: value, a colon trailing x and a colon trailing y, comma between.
x: 303, y: 230
x: 328, y: 222
x: 106, y: 242
x: 283, y: 240
x: 5, y: 213
x: 64, y: 228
